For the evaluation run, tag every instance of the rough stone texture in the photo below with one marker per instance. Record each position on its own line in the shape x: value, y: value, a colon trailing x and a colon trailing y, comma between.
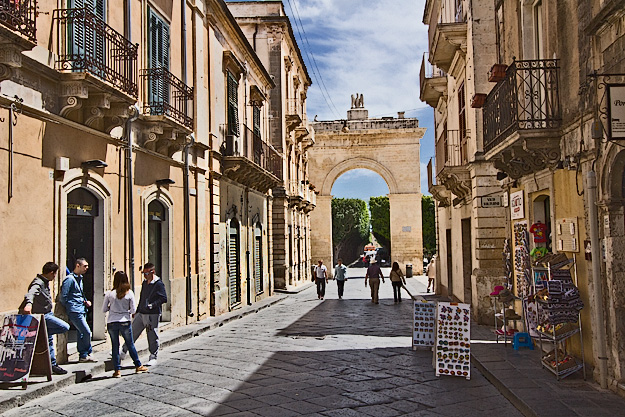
x: 301, y: 357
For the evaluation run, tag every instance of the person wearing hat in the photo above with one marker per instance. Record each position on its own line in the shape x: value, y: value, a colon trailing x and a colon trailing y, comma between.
x: 374, y: 273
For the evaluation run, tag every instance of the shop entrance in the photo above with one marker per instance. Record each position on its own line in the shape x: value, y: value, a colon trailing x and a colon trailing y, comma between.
x: 467, y: 259
x: 450, y: 272
x: 158, y: 249
x: 84, y: 235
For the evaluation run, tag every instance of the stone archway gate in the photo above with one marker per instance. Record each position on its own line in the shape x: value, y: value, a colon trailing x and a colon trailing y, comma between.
x: 389, y: 147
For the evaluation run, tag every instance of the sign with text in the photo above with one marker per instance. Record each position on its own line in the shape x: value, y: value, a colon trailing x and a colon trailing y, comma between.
x: 517, y: 205
x: 491, y: 201
x: 616, y: 111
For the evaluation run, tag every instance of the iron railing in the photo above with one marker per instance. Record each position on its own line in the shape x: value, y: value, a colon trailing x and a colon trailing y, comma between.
x: 21, y: 16
x: 253, y: 148
x: 167, y: 96
x: 86, y: 43
x: 294, y: 107
x: 527, y: 98
x: 451, y: 149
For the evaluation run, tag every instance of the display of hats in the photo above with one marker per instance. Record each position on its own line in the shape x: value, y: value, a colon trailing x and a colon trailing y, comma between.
x: 512, y: 315
x: 505, y: 296
x: 497, y: 290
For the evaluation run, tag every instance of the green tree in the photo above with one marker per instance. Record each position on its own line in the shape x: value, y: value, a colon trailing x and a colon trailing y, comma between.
x: 428, y: 225
x: 350, y: 218
x: 381, y: 219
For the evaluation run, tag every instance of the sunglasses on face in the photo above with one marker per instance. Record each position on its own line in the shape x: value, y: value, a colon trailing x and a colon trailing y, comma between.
x: 148, y: 272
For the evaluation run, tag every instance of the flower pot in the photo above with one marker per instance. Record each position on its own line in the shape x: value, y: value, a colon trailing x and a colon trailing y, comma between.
x: 497, y: 73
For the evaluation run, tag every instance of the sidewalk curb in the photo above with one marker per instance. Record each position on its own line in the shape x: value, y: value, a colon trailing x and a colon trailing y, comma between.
x: 295, y: 290
x: 79, y: 372
x: 517, y: 402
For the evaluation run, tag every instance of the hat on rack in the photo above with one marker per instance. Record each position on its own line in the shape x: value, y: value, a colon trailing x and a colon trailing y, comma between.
x: 505, y: 296
x: 497, y: 290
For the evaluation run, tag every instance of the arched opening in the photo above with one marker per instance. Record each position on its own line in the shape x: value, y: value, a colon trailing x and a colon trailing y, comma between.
x: 234, y: 265
x: 357, y: 247
x: 157, y: 246
x: 85, y: 239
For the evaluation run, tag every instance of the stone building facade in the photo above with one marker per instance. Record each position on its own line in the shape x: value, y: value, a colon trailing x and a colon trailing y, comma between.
x: 470, y: 236
x: 125, y: 144
x: 269, y: 31
x: 553, y: 69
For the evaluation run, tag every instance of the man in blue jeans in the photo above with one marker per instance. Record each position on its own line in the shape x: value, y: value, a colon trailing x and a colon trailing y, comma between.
x: 39, y: 301
x: 76, y: 304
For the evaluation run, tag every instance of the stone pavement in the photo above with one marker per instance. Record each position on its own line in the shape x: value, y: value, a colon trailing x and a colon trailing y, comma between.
x: 300, y: 357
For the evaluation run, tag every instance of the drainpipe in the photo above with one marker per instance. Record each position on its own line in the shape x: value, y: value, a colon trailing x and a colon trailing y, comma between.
x: 187, y: 224
x: 134, y: 111
x: 599, y: 324
x: 183, y: 47
x: 254, y: 37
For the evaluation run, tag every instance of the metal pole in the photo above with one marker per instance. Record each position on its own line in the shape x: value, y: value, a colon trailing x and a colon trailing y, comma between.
x: 11, y: 112
x: 599, y: 320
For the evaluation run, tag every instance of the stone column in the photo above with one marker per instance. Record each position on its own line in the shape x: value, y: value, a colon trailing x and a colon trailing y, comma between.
x: 406, y: 233
x: 321, y: 233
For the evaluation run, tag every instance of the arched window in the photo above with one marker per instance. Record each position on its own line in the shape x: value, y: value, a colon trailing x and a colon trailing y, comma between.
x: 258, y: 259
x: 234, y: 268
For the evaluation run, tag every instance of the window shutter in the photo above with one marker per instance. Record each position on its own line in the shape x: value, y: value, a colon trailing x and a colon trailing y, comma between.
x: 234, y: 283
x: 233, y: 105
x: 256, y: 121
x: 158, y: 51
x: 258, y: 272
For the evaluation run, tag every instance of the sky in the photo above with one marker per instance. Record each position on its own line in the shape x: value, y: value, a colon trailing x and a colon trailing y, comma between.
x: 370, y: 48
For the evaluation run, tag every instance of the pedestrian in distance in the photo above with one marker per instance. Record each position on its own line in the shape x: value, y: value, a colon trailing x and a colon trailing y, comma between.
x: 431, y: 273
x: 374, y: 273
x: 39, y: 301
x: 321, y: 279
x: 74, y: 300
x: 397, y: 279
x: 120, y: 304
x: 153, y: 296
x: 340, y: 275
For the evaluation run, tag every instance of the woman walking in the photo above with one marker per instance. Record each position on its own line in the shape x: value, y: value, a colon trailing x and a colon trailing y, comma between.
x: 397, y: 279
x: 120, y: 304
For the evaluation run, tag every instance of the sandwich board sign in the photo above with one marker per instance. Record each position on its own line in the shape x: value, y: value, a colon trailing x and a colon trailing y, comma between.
x: 24, y: 349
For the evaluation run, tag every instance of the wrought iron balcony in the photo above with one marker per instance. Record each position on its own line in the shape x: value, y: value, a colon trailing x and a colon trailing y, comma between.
x: 167, y: 96
x: 86, y: 43
x: 294, y: 113
x: 20, y: 16
x: 432, y: 80
x: 250, y: 160
x: 527, y: 99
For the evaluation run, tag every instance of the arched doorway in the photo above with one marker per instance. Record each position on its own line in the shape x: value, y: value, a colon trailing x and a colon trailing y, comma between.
x: 85, y: 239
x: 157, y: 247
x: 234, y: 265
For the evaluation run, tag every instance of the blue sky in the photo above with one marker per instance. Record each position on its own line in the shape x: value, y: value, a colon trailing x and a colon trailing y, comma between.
x: 368, y: 47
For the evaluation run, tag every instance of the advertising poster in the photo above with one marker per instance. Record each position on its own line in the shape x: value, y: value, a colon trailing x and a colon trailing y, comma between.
x: 17, y: 346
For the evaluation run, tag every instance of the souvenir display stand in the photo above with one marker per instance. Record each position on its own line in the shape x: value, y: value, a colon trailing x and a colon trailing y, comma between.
x: 558, y: 313
x: 452, y: 352
x: 424, y: 328
x: 503, y: 316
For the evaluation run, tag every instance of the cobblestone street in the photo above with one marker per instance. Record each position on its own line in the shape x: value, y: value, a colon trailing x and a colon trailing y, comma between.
x: 300, y: 357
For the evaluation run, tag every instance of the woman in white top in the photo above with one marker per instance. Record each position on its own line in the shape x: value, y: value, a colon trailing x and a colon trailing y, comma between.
x: 120, y: 304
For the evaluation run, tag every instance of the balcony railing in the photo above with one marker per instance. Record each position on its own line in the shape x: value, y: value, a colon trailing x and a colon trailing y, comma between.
x: 167, y: 96
x: 85, y: 43
x: 20, y: 15
x: 528, y: 98
x: 451, y: 149
x: 294, y: 107
x: 253, y: 148
x: 428, y: 70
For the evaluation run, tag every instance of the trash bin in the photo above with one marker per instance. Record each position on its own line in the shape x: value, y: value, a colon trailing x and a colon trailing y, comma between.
x: 408, y: 270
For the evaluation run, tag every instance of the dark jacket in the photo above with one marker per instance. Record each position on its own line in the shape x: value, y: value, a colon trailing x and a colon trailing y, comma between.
x: 39, y: 296
x: 153, y: 295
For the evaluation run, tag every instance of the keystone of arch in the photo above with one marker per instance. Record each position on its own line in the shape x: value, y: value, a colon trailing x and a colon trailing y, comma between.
x: 355, y: 163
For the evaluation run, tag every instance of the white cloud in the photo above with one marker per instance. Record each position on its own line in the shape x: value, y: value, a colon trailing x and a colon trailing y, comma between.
x: 373, y: 48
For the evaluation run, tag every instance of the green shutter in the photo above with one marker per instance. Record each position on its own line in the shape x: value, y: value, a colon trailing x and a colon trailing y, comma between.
x: 233, y: 105
x: 258, y: 262
x: 256, y: 121
x: 234, y: 280
x: 84, y: 44
x: 158, y: 57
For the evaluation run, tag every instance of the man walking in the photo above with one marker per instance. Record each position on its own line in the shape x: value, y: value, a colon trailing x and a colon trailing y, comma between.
x: 153, y: 296
x: 39, y: 301
x: 374, y: 273
x: 74, y: 300
x: 321, y: 278
x: 340, y: 275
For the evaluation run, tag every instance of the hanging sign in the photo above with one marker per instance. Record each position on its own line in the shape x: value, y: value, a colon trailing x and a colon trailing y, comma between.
x: 616, y: 111
x: 517, y: 205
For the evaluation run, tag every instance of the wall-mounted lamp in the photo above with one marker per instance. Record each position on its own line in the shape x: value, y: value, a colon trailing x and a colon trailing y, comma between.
x: 93, y: 164
x: 164, y: 181
x: 345, y: 129
x: 501, y: 175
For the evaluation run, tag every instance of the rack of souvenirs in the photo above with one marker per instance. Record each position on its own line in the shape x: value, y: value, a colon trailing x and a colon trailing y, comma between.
x: 424, y: 324
x: 452, y: 351
x: 556, y: 307
x: 503, y: 306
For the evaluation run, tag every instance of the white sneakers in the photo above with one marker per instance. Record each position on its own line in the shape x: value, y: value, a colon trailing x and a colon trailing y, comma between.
x: 122, y: 355
x: 88, y: 358
x: 151, y: 362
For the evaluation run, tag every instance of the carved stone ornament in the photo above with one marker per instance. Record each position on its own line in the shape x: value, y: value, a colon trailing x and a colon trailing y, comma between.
x: 76, y: 89
x: 518, y: 161
x: 5, y: 72
x: 440, y: 194
x: 69, y: 104
x: 10, y: 55
x: 459, y: 185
